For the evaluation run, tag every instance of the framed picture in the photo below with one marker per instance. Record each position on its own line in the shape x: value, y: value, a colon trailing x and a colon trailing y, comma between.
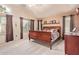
x: 53, y: 21
x: 45, y: 22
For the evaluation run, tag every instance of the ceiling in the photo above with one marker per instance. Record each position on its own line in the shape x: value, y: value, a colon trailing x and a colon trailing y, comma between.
x: 44, y: 10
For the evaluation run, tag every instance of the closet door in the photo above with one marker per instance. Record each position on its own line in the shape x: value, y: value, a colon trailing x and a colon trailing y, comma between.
x: 9, y: 28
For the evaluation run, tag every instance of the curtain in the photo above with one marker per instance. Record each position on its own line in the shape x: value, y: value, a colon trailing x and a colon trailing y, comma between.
x: 39, y: 24
x: 71, y: 23
x: 32, y: 25
x: 9, y: 28
x: 21, y: 27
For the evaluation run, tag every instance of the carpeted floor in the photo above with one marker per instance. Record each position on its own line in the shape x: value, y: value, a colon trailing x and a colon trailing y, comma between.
x: 24, y: 47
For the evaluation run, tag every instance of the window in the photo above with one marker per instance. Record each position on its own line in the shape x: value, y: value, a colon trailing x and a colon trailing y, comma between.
x: 2, y: 24
x: 26, y: 25
x: 3, y: 10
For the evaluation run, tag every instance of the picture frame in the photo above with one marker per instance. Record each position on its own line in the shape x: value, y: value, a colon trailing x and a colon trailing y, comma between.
x: 53, y: 21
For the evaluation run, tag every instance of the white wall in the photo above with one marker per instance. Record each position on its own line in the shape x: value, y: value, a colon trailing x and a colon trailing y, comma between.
x: 16, y: 27
x: 19, y: 11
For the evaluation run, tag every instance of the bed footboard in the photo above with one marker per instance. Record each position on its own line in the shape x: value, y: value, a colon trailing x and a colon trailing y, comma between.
x: 41, y: 36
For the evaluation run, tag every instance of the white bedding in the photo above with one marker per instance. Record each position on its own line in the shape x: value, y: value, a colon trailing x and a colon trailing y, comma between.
x: 54, y: 34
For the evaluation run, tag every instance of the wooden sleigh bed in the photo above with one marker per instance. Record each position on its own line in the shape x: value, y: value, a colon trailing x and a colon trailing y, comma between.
x: 43, y: 36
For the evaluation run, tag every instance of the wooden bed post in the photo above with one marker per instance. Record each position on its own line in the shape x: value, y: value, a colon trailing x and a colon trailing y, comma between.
x: 50, y: 44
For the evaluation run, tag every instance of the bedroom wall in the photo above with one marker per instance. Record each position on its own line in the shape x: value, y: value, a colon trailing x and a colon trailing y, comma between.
x: 16, y: 27
x: 18, y: 11
x: 58, y: 18
x: 76, y: 21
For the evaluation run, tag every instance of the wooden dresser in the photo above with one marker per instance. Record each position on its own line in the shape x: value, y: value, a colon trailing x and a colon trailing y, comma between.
x: 71, y: 44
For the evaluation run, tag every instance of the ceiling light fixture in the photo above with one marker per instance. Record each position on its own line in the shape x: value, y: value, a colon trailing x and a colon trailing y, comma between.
x: 31, y: 5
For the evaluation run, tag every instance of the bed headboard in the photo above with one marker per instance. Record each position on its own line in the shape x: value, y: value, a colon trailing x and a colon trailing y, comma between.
x: 48, y: 28
x: 52, y: 27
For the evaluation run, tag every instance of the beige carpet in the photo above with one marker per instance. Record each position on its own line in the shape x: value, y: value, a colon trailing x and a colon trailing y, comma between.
x: 24, y: 47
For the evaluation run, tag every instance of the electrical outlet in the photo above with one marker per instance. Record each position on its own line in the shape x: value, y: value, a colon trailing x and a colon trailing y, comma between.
x: 16, y: 35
